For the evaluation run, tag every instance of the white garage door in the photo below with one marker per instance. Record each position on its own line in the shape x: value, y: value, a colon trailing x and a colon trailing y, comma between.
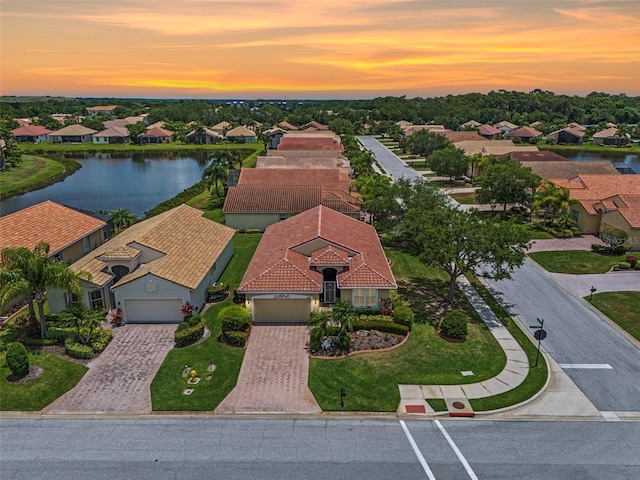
x: 153, y: 311
x: 282, y: 310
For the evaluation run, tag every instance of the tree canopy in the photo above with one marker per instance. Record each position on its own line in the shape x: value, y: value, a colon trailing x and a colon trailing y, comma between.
x: 449, y: 162
x: 506, y: 182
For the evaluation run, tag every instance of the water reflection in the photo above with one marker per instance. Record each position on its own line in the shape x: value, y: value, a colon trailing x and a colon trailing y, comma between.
x: 108, y: 181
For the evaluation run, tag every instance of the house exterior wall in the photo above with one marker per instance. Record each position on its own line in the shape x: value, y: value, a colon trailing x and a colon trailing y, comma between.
x: 615, y: 220
x: 31, y: 138
x: 199, y: 295
x: 251, y: 220
x: 76, y: 251
x: 587, y: 223
x: 346, y: 294
x: 136, y: 290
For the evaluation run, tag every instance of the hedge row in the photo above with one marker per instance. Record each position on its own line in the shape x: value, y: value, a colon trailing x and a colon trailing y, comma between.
x: 382, y: 326
x: 187, y: 334
x: 77, y: 350
x: 237, y: 339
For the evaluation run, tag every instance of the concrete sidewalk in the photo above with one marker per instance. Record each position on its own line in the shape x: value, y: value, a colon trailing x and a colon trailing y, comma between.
x: 561, y: 397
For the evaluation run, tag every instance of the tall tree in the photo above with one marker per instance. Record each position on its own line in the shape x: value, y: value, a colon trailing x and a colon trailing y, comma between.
x: 136, y: 130
x: 505, y: 183
x: 458, y: 241
x: 30, y: 273
x: 622, y: 130
x: 450, y: 162
x: 424, y: 143
x: 213, y: 174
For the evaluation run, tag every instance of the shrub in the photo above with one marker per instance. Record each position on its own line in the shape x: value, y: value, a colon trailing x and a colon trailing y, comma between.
x: 382, y: 326
x: 238, y: 339
x: 253, y: 230
x: 187, y: 335
x: 376, y: 318
x: 217, y: 293
x: 368, y: 311
x: 17, y: 359
x: 194, y: 320
x: 101, y: 338
x: 77, y: 350
x: 631, y: 260
x: 60, y: 334
x: 403, y: 315
x: 597, y: 248
x: 183, y: 326
x: 344, y: 343
x: 314, y: 344
x: 235, y: 318
x: 37, y: 342
x: 624, y: 265
x: 454, y: 325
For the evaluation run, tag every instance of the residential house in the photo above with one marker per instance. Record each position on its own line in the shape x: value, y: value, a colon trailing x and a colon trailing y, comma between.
x: 314, y: 258
x: 411, y: 129
x: 31, y: 133
x: 470, y: 125
x: 454, y: 137
x: 537, y: 125
x: 221, y: 128
x: 151, y: 269
x: 577, y: 126
x: 117, y: 135
x: 604, y: 202
x: 241, y: 134
x: 287, y: 126
x: 155, y: 135
x: 304, y: 159
x: 610, y: 136
x: 206, y: 136
x: 505, y: 127
x: 403, y: 124
x: 316, y: 126
x: 568, y: 169
x: 489, y: 132
x: 102, y: 110
x: 525, y: 134
x: 70, y: 233
x: 492, y: 147
x: 566, y: 135
x: 310, y: 142
x: 72, y: 134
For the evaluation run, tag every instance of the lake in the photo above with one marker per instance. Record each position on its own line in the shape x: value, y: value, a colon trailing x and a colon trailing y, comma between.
x: 137, y: 181
x: 632, y: 160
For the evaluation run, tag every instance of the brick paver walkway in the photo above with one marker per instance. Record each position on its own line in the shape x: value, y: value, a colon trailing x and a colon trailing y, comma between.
x: 119, y: 379
x: 274, y: 373
x: 575, y: 243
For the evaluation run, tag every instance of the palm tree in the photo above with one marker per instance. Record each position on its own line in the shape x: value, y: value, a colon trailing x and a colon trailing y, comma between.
x: 622, y: 131
x: 122, y: 218
x: 551, y: 200
x: 213, y: 174
x: 319, y: 324
x: 80, y: 317
x: 30, y: 273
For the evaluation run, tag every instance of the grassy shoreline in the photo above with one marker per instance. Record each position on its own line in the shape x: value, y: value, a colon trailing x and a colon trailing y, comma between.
x: 28, y: 177
x: 633, y: 149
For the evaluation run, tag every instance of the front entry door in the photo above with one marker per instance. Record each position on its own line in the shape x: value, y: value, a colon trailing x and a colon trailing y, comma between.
x: 329, y: 292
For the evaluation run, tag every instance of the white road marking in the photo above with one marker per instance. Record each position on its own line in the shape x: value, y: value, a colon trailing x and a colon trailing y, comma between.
x: 457, y: 451
x: 416, y: 450
x: 586, y: 366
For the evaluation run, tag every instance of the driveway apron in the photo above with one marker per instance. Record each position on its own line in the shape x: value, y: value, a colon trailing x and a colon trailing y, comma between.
x: 119, y: 379
x: 274, y: 373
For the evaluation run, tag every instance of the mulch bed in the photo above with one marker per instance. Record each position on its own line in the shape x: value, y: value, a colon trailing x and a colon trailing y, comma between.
x: 34, y: 372
x: 364, y: 340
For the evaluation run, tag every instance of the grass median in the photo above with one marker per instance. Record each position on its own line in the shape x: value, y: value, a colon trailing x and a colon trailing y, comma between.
x: 576, y: 262
x: 621, y: 307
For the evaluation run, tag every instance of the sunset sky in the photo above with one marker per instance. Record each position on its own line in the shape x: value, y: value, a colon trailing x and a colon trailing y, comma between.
x: 316, y: 49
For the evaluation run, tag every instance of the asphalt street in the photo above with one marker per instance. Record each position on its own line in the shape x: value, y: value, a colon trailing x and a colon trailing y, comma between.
x: 205, y: 447
x: 602, y: 361
x: 390, y: 162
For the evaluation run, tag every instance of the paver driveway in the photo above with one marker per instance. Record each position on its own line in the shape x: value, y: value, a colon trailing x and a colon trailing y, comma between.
x: 274, y: 373
x: 119, y: 379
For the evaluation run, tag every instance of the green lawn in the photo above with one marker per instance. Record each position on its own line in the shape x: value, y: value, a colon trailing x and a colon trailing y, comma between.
x: 58, y: 377
x: 168, y: 384
x: 32, y: 170
x: 244, y: 246
x: 406, y: 267
x: 576, y: 261
x: 131, y: 148
x: 371, y: 379
x: 621, y: 307
x: 464, y: 198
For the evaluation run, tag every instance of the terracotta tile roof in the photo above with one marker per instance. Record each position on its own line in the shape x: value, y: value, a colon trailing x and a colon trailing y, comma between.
x: 506, y: 124
x: 470, y: 123
x: 113, y: 132
x: 523, y: 132
x: 317, y: 125
x: 221, y: 125
x: 158, y: 124
x: 488, y: 130
x: 287, y: 126
x: 290, y: 142
x: 609, y: 133
x: 576, y: 126
x: 631, y: 209
x: 286, y: 199
x: 73, y: 130
x: 411, y: 129
x: 119, y: 122
x: 310, y: 161
x: 30, y: 131
x: 48, y: 222
x: 207, y: 131
x: 281, y: 244
x: 157, y: 132
x: 240, y: 131
x: 454, y: 137
x: 329, y: 255
x: 326, y: 177
x: 492, y: 147
x: 188, y: 245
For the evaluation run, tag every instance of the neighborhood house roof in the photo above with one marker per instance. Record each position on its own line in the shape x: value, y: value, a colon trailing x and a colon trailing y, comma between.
x: 48, y: 222
x: 240, y: 131
x: 157, y: 132
x: 488, y: 130
x: 187, y: 245
x: 113, y: 132
x: 492, y: 147
x: 568, y: 169
x: 73, y: 130
x: 296, y: 142
x: 279, y: 264
x: 30, y: 131
x: 509, y: 125
x: 610, y: 133
x: 326, y: 177
x: 524, y: 132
